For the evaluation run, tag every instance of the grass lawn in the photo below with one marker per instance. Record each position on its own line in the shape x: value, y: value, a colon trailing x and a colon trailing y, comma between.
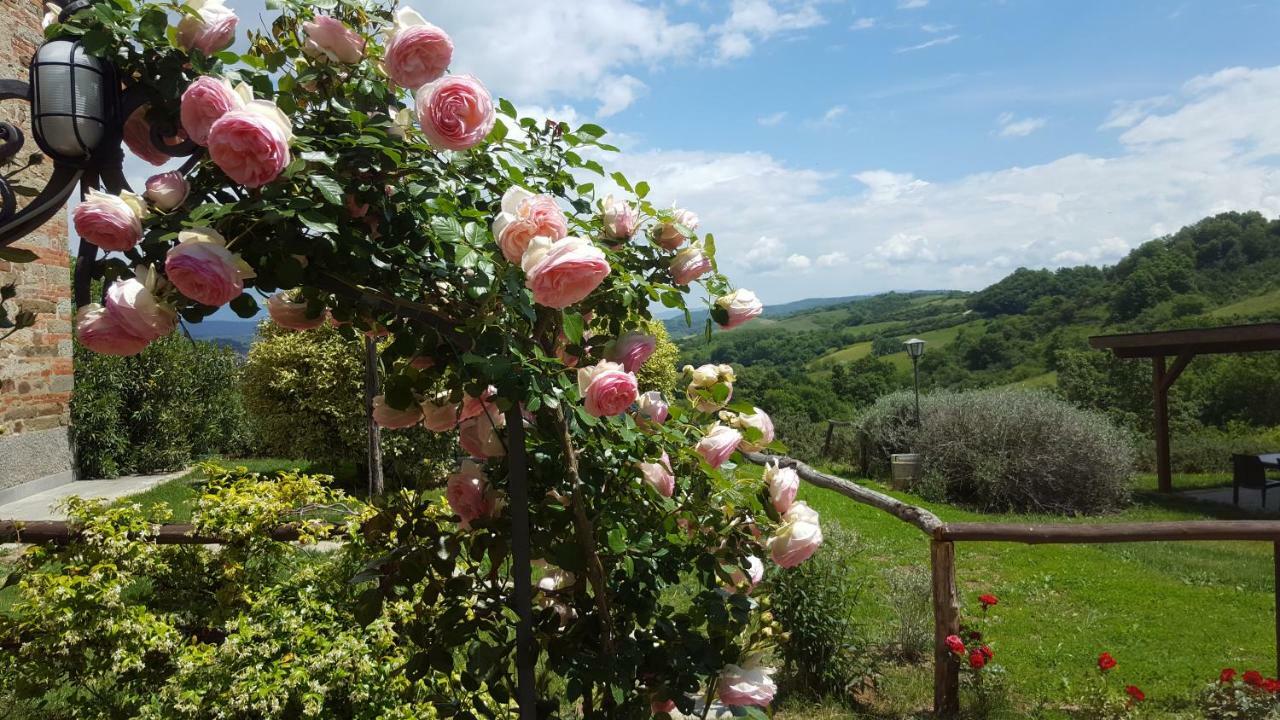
x: 1172, y: 614
x: 181, y: 494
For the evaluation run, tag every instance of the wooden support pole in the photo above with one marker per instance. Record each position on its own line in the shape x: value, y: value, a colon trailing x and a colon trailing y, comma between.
x: 1160, y: 392
x: 375, y: 433
x: 521, y: 565
x: 1276, y: 550
x: 946, y: 621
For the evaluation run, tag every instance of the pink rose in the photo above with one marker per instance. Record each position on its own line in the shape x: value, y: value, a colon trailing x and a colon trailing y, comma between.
x: 760, y: 421
x: 750, y: 579
x: 750, y: 685
x: 112, y: 222
x: 328, y: 38
x: 701, y: 392
x: 292, y: 315
x: 620, y: 219
x: 438, y: 414
x: 670, y: 235
x: 525, y: 216
x: 137, y: 136
x: 632, y: 349
x: 659, y: 475
x: 468, y: 494
x: 799, y: 537
x: 422, y: 362
x: 212, y: 30
x: 99, y: 331
x: 167, y: 191
x: 482, y: 437
x: 135, y: 305
x: 203, y: 269
x: 394, y: 418
x: 205, y: 101
x: 783, y: 484
x: 455, y: 112
x: 251, y: 145
x: 607, y: 389
x: 418, y: 52
x: 718, y: 444
x: 477, y: 406
x: 657, y: 707
x: 563, y: 273
x: 689, y: 265
x: 736, y: 308
x: 652, y: 408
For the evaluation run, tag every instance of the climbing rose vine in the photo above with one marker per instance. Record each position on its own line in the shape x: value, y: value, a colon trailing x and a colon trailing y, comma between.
x: 346, y: 176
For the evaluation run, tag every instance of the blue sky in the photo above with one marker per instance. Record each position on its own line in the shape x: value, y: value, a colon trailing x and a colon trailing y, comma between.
x: 838, y: 147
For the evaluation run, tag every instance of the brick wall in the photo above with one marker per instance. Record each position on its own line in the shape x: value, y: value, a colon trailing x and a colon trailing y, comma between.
x: 35, y: 365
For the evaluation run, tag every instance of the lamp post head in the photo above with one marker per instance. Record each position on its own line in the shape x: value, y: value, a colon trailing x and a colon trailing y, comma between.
x: 70, y: 101
x: 915, y: 348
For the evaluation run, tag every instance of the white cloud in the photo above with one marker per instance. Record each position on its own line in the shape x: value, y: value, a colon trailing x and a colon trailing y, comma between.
x: 832, y: 115
x: 934, y: 29
x: 1212, y: 147
x: 1126, y: 114
x: 753, y: 20
x: 863, y: 23
x: 772, y: 120
x: 936, y: 42
x: 912, y: 4
x: 1011, y: 126
x: 798, y: 262
x: 617, y: 94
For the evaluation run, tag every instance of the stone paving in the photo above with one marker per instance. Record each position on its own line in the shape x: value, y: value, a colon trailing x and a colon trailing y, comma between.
x: 44, y: 506
x: 1250, y: 500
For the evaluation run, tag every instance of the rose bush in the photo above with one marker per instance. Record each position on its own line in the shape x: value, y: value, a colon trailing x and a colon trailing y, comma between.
x: 508, y: 274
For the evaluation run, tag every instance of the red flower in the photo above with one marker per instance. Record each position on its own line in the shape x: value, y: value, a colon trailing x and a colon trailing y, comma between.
x: 1252, y: 677
x: 955, y: 644
x: 987, y: 653
x: 977, y: 660
x: 1136, y: 694
x: 1227, y: 676
x: 1106, y: 662
x: 1271, y: 685
x: 988, y: 600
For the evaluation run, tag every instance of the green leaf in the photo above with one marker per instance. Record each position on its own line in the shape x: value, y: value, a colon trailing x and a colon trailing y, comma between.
x: 642, y: 189
x: 317, y: 222
x: 506, y: 108
x: 153, y: 23
x: 17, y: 255
x: 573, y: 327
x: 245, y: 306
x: 617, y: 539
x: 621, y: 179
x: 593, y: 131
x: 328, y: 187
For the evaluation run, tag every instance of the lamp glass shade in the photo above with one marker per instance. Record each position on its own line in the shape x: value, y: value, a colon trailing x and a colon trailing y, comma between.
x: 68, y: 100
x: 915, y: 347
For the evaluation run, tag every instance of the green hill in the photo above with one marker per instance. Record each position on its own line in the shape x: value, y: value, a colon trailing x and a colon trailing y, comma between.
x: 825, y: 361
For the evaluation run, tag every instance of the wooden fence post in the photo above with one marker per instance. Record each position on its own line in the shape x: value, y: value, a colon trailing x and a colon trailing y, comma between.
x: 826, y: 446
x: 946, y: 621
x: 1276, y: 547
x: 374, y: 432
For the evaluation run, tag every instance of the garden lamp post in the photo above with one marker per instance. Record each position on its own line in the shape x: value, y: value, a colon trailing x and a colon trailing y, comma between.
x: 78, y: 108
x: 915, y: 348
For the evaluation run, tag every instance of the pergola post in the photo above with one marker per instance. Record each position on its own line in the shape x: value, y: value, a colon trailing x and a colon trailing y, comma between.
x: 946, y: 621
x: 1164, y: 470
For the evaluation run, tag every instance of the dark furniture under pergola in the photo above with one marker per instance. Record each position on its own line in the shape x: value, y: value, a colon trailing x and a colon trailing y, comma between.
x: 1183, y: 346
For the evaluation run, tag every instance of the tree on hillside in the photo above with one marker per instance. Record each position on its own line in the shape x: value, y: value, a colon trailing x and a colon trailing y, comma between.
x: 884, y: 345
x: 863, y: 381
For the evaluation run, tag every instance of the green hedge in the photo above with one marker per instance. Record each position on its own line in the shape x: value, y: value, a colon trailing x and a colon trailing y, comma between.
x: 175, y: 402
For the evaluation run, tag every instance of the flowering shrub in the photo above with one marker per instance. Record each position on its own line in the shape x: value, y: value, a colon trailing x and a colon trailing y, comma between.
x: 1243, y: 696
x: 347, y: 174
x: 1105, y: 701
x: 980, y: 676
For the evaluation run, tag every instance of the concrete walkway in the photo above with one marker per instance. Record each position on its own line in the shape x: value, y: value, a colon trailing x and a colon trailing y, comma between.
x: 1250, y: 500
x: 44, y: 506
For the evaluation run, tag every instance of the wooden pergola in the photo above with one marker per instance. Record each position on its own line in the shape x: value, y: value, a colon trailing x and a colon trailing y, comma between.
x: 1183, y: 346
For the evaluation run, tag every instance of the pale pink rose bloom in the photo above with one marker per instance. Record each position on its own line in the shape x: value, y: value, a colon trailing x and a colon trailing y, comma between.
x: 394, y: 418
x: 482, y: 437
x: 669, y: 235
x: 525, y: 216
x: 134, y: 304
x: 553, y: 579
x: 100, y: 332
x: 167, y: 191
x: 203, y: 269
x: 418, y: 52
x: 562, y: 351
x: 137, y: 136
x: 704, y: 376
x: 703, y: 399
x: 212, y: 31
x: 607, y: 389
x: 328, y: 38
x: 112, y: 222
x: 468, y: 494
x: 205, y: 101
x: 738, y: 307
x: 783, y: 484
x: 750, y: 579
x: 652, y: 408
x: 251, y: 145
x: 422, y: 362
x: 717, y: 445
x: 476, y: 406
x: 438, y: 414
x: 292, y: 315
x: 750, y: 685
x: 565, y: 272
x: 52, y: 12
x: 758, y: 420
x: 632, y: 349
x: 658, y: 707
x: 455, y: 112
x: 659, y: 475
x: 688, y: 265
x: 799, y: 537
x: 620, y: 218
